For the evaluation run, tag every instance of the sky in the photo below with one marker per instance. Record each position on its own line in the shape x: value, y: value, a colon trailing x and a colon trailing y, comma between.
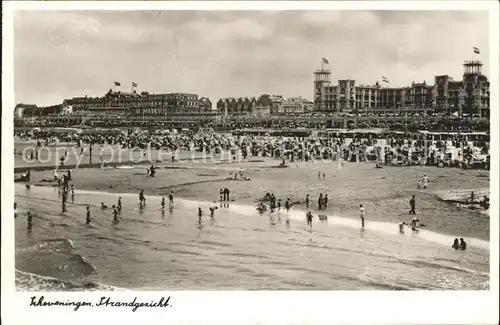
x: 64, y: 54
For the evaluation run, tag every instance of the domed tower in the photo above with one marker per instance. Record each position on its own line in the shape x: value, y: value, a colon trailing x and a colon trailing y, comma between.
x: 321, y: 79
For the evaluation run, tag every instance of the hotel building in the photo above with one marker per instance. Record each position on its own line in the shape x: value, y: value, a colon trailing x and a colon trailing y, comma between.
x: 144, y: 103
x: 470, y: 95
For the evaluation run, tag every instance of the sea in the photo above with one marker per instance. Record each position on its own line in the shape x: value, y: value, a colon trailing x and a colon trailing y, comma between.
x: 239, y: 249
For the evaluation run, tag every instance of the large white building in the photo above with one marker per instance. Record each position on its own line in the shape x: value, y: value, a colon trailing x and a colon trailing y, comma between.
x: 469, y: 95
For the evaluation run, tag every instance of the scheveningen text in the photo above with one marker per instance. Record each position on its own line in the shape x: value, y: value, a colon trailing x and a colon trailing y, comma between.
x: 40, y: 302
x: 104, y: 302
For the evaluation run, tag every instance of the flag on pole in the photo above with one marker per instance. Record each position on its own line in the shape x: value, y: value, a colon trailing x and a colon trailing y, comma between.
x: 117, y: 83
x: 476, y: 50
x: 134, y: 84
x: 325, y: 61
x: 384, y: 79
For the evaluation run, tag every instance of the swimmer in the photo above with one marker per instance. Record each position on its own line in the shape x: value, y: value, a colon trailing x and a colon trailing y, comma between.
x: 119, y: 205
x: 212, y: 211
x: 401, y: 226
x: 323, y: 217
x: 200, y: 214
x: 171, y: 198
x: 309, y: 217
x: 142, y: 199
x: 115, y: 213
x: 362, y: 215
x: 412, y: 205
x: 103, y: 206
x: 261, y: 208
x: 472, y: 197
x: 30, y: 220
x: 271, y: 207
x: 414, y: 223
x: 463, y: 245
x: 88, y: 215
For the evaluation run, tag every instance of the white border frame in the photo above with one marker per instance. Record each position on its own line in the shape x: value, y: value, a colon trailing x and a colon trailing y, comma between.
x: 238, y: 307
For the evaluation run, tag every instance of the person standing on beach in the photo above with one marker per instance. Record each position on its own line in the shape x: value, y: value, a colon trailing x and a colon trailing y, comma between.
x: 319, y: 175
x: 362, y: 215
x: 221, y: 193
x: 320, y: 201
x: 324, y: 175
x: 307, y: 201
x: 279, y: 205
x: 163, y: 203
x: 325, y: 202
x: 88, y: 215
x: 425, y: 181
x: 119, y: 205
x: 287, y: 205
x: 412, y: 205
x: 15, y: 210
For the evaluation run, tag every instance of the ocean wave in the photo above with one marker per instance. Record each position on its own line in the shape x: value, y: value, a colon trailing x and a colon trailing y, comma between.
x: 51, y: 245
x: 427, y: 264
x: 26, y: 281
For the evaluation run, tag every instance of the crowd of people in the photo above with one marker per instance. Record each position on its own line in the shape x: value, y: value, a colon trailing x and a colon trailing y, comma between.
x: 400, y: 122
x: 453, y: 150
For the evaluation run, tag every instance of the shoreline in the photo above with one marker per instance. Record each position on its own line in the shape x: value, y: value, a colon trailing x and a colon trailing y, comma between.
x: 193, y: 182
x: 430, y: 235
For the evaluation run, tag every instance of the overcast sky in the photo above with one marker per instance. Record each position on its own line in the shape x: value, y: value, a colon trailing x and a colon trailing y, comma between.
x: 235, y: 53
